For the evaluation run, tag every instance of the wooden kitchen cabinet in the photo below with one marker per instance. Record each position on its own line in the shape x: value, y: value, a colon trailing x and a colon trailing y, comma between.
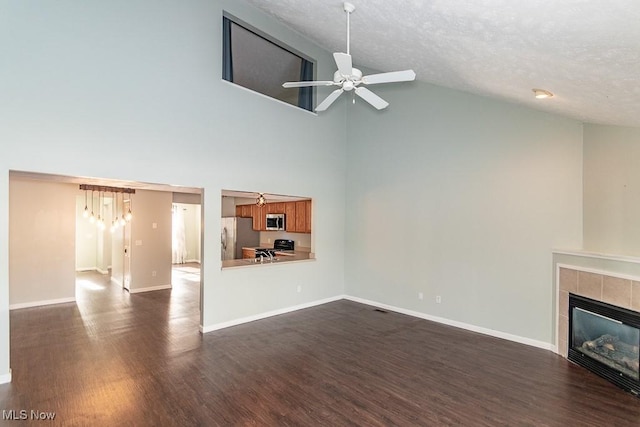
x: 244, y: 211
x: 259, y: 217
x: 307, y: 216
x: 290, y: 219
x: 298, y: 215
x: 248, y: 253
x: 275, y: 208
x: 301, y: 216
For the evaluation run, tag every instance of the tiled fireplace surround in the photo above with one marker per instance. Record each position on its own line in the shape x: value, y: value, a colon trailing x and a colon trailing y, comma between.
x: 618, y: 290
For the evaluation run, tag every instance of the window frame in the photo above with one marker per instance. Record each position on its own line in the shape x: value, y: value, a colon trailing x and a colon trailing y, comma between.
x: 306, y: 96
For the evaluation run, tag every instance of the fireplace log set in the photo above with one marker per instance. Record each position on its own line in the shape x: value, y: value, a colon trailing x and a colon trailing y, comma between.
x: 615, y: 353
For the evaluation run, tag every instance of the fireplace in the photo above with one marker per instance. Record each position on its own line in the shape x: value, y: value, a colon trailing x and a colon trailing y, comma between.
x: 605, y: 339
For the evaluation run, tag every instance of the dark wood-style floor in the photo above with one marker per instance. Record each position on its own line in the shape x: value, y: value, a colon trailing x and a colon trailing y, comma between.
x: 120, y: 359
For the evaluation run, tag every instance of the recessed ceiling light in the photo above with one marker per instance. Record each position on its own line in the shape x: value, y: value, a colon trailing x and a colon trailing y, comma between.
x: 542, y: 94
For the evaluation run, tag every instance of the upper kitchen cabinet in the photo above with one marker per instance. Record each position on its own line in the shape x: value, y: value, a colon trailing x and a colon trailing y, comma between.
x: 301, y: 216
x: 297, y: 214
x: 244, y: 211
x: 307, y: 214
x: 259, y: 217
x: 275, y: 208
x: 290, y: 212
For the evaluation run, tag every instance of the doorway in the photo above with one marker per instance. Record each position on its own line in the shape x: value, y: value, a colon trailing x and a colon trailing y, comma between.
x: 47, y: 224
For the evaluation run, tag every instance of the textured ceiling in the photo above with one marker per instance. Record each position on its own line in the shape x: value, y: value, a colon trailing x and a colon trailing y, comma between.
x: 587, y: 52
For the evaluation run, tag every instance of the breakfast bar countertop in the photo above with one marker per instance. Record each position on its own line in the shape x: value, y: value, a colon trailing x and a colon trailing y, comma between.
x: 281, y: 257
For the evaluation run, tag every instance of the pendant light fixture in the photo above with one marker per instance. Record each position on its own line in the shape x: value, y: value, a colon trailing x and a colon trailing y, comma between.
x: 103, y: 191
x: 101, y: 225
x: 129, y: 214
x: 123, y: 222
x: 92, y: 218
x: 261, y: 201
x: 113, y: 227
x: 85, y: 212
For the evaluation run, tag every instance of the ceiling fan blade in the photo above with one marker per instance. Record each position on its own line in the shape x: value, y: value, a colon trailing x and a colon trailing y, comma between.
x: 329, y: 100
x: 343, y: 61
x: 394, y: 76
x: 307, y: 84
x: 371, y: 98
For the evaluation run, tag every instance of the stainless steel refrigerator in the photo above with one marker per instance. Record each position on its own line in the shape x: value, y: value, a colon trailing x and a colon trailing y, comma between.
x: 236, y: 233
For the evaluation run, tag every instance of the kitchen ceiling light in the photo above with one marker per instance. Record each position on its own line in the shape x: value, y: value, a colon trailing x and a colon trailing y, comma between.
x: 261, y: 201
x: 542, y: 94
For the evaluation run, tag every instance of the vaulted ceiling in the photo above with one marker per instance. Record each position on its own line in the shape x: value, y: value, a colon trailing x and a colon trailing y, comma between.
x: 587, y: 52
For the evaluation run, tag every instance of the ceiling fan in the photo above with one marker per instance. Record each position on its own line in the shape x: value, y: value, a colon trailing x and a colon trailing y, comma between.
x: 349, y: 78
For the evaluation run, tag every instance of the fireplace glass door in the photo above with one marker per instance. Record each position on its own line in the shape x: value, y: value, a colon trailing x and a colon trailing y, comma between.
x: 606, y: 340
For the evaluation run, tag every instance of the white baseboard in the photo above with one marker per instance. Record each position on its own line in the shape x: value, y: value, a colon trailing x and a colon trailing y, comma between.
x: 197, y: 261
x: 260, y: 316
x: 461, y: 325
x: 41, y: 303
x: 149, y: 289
x: 473, y: 328
x: 6, y: 378
x: 85, y: 269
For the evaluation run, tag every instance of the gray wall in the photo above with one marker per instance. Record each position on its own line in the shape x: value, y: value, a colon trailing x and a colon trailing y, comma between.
x: 612, y: 189
x: 132, y: 90
x: 462, y: 197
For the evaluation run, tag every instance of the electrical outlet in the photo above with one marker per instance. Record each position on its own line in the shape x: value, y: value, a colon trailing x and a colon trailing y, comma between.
x: 299, y: 288
x: 420, y: 295
x: 154, y: 273
x: 268, y: 240
x: 438, y: 299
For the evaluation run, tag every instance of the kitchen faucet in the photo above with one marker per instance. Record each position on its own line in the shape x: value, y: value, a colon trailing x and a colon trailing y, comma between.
x: 264, y: 253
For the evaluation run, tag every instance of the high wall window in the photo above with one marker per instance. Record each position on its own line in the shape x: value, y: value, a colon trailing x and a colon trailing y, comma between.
x: 261, y: 64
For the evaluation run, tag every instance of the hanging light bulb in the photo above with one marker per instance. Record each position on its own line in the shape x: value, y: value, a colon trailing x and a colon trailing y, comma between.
x: 100, y: 204
x: 92, y: 218
x: 115, y: 207
x: 85, y: 213
x: 114, y: 220
x: 129, y: 214
x: 123, y: 222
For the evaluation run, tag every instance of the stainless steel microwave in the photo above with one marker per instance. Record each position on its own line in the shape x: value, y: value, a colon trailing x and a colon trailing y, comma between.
x: 275, y: 222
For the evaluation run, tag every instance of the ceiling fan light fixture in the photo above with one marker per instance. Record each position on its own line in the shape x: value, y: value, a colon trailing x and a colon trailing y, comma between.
x: 542, y: 94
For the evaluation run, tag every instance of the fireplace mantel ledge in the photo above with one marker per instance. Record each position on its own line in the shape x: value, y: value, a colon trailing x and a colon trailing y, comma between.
x: 598, y: 255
